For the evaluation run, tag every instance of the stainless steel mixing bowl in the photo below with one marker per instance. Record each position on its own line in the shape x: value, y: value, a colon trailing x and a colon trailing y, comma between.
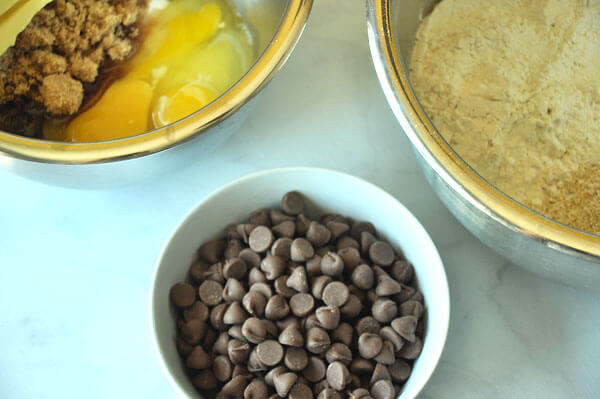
x: 511, y: 229
x: 276, y: 26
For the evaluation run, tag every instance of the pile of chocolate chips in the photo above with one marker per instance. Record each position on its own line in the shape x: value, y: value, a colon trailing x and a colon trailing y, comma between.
x: 285, y: 306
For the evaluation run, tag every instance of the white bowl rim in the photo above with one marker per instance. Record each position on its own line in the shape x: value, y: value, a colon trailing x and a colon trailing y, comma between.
x: 438, y: 342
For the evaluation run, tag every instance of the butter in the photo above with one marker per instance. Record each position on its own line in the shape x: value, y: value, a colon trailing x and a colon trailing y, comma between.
x: 14, y: 19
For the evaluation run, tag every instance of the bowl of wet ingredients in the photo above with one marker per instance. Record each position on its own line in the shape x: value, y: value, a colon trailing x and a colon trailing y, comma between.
x: 89, y: 82
x: 278, y: 286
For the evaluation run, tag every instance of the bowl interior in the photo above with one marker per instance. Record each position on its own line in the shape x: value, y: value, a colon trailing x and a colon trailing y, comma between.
x: 326, y: 191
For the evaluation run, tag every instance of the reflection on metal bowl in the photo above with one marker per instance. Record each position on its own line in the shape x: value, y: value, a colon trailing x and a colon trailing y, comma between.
x: 514, y: 231
x: 276, y: 26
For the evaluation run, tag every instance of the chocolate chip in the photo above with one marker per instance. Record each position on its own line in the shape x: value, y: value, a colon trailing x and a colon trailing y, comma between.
x: 359, y: 227
x: 272, y: 330
x: 183, y: 348
x: 313, y: 266
x: 317, y: 340
x: 193, y: 331
x: 254, y: 330
x: 367, y: 324
x: 198, y: 359
x: 262, y: 288
x: 338, y: 376
x: 216, y: 317
x: 236, y: 386
x: 389, y: 334
x: 273, y: 266
x: 211, y: 292
x: 221, y: 343
x: 233, y: 291
x: 222, y: 368
x: 332, y: 264
x: 235, y: 314
x: 343, y: 333
x: 251, y: 258
x: 411, y: 350
x: 301, y: 250
x: 339, y: 353
x: 380, y: 373
x: 387, y: 286
x: 284, y: 382
x: 335, y: 294
x: 300, y: 391
x: 238, y: 351
x: 234, y: 268
x: 281, y: 247
x: 254, y: 302
x: 361, y: 365
x: 255, y: 275
x: 274, y: 372
x: 405, y: 327
x: 366, y: 240
x: 381, y: 253
x: 302, y: 304
x: 285, y: 229
x: 329, y: 393
x: 260, y: 217
x: 291, y: 336
x: 209, y: 337
x: 290, y: 320
x: 384, y: 310
x: 383, y: 389
x: 257, y: 389
x: 352, y: 308
x: 411, y: 308
x: 351, y: 258
x: 277, y: 308
x: 292, y: 203
x: 328, y: 317
x: 406, y: 293
x: 254, y: 363
x: 212, y: 251
x: 302, y: 223
x: 244, y: 230
x: 400, y: 371
x: 234, y: 246
x: 183, y: 294
x: 369, y: 345
x: 296, y: 359
x: 281, y: 287
x: 386, y: 356
x: 278, y: 217
x: 205, y: 380
x: 198, y: 311
x: 260, y: 239
x: 402, y: 271
x: 318, y: 285
x: 363, y: 278
x: 298, y: 280
x: 346, y: 242
x: 315, y: 370
x: 318, y: 234
x: 269, y: 352
x: 236, y: 333
x: 337, y: 229
x: 360, y: 393
x: 197, y: 271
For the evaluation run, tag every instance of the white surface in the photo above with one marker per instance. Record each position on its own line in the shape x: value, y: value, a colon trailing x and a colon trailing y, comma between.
x: 76, y: 265
x: 326, y: 192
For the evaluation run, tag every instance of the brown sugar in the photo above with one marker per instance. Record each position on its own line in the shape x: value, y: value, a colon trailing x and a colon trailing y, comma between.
x: 56, y: 60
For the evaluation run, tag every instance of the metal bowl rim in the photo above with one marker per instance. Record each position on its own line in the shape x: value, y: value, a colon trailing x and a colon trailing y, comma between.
x: 446, y: 163
x: 268, y: 63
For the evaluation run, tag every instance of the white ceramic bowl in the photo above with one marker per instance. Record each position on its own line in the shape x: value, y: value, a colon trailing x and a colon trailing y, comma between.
x: 326, y: 191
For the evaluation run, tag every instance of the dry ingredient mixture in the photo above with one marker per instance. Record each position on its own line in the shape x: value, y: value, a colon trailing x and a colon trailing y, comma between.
x: 514, y: 86
x: 288, y: 307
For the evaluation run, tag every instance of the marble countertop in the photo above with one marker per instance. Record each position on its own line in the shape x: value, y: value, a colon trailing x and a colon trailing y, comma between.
x: 76, y: 264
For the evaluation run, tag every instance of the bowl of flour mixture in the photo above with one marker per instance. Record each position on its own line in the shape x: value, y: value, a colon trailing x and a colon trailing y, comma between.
x: 501, y: 100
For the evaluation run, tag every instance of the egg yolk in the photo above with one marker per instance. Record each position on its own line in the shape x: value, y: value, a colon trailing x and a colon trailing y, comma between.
x: 191, y: 56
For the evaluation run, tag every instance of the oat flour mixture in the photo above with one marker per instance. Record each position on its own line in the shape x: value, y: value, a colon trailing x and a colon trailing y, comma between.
x: 514, y: 86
